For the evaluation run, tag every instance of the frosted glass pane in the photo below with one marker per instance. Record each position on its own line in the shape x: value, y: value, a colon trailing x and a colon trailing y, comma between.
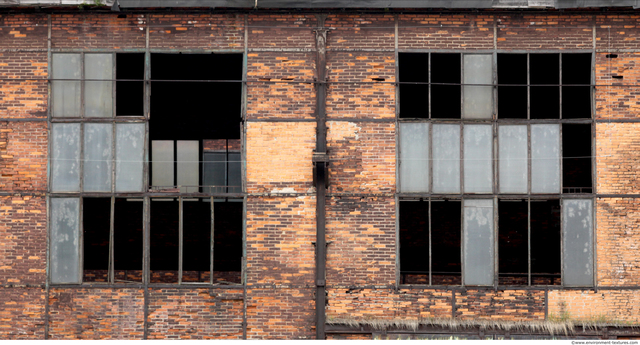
x: 446, y: 158
x: 188, y: 158
x: 545, y: 158
x: 66, y: 93
x: 129, y: 156
x: 162, y: 161
x: 97, y: 157
x: 478, y: 175
x: 577, y: 242
x: 478, y: 100
x: 65, y: 233
x: 98, y: 95
x: 414, y: 157
x: 512, y: 154
x: 235, y: 174
x: 215, y: 171
x: 65, y: 149
x: 478, y: 242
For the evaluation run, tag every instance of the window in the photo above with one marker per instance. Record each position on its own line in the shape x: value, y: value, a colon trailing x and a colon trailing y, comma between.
x: 105, y: 121
x: 521, y: 145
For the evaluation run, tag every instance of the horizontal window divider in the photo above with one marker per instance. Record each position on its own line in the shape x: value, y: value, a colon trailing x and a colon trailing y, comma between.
x: 117, y: 119
x: 501, y: 121
x: 27, y: 119
x: 142, y: 195
x: 490, y: 196
x: 142, y: 286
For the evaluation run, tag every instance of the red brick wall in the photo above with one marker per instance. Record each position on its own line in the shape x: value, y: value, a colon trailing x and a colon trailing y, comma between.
x: 444, y: 31
x: 97, y: 31
x: 618, y: 157
x: 23, y: 97
x: 613, y: 99
x: 198, y: 31
x: 22, y: 313
x: 23, y: 149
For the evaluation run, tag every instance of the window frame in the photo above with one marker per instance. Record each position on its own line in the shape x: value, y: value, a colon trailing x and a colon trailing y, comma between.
x: 495, y: 121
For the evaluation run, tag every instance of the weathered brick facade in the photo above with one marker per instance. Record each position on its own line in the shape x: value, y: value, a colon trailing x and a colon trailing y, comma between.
x: 276, y: 299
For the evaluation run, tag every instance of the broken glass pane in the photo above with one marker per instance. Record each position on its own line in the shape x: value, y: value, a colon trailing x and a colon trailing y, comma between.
x: 97, y: 157
x: 477, y: 159
x: 446, y: 158
x: 577, y: 242
x: 98, y: 95
x: 414, y: 157
x: 129, y: 156
x: 512, y: 155
x: 65, y: 148
x: 188, y: 162
x: 162, y: 163
x: 545, y: 158
x: 478, y: 242
x: 66, y: 93
x: 65, y: 233
x: 478, y: 100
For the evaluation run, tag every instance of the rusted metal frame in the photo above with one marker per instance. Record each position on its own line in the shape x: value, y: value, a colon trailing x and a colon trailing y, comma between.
x: 528, y: 86
x: 546, y: 304
x: 180, y: 238
x: 145, y: 261
x: 212, y: 239
x: 35, y: 119
x: 48, y: 189
x: 120, y: 119
x: 430, y: 244
x: 428, y: 94
x: 111, y: 270
x: 529, y: 242
x: 560, y: 86
x: 244, y: 266
x: 594, y: 170
x: 398, y: 152
x: 146, y: 217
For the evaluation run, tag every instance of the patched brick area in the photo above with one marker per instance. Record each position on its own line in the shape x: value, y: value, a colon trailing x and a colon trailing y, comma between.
x: 604, y: 305
x: 440, y: 31
x: 96, y: 313
x: 521, y: 305
x: 23, y: 93
x: 280, y: 313
x: 618, y: 158
x: 613, y: 99
x: 91, y: 31
x: 23, y: 149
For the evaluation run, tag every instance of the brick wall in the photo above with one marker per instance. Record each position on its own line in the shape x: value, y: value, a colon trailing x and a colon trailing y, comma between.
x: 618, y: 156
x: 604, y: 305
x: 22, y: 313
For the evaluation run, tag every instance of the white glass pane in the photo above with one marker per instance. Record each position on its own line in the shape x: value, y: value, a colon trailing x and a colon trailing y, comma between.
x: 235, y: 174
x: 188, y: 157
x: 98, y: 139
x: 577, y: 242
x: 446, y: 158
x: 65, y: 149
x: 414, y: 157
x: 65, y: 234
x: 162, y: 161
x: 478, y: 175
x: 215, y: 172
x: 98, y: 95
x: 512, y: 155
x: 129, y: 156
x: 66, y: 93
x: 478, y: 100
x: 545, y: 158
x: 478, y: 242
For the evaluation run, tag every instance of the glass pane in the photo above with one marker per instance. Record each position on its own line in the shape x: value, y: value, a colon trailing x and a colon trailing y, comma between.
x: 478, y: 100
x: 98, y: 95
x: 188, y: 159
x: 577, y: 242
x: 545, y: 158
x: 446, y: 158
x: 478, y: 175
x: 478, y: 242
x: 97, y: 157
x: 162, y: 163
x: 235, y: 174
x: 215, y: 171
x: 66, y: 93
x: 414, y: 157
x: 512, y: 155
x: 129, y: 156
x: 65, y: 148
x: 65, y: 233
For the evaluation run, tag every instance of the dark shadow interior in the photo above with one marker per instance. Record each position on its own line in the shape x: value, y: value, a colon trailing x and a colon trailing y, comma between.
x: 414, y: 242
x: 414, y: 98
x: 513, y: 263
x: 130, y: 94
x: 96, y: 220
x: 576, y: 97
x: 544, y: 69
x: 164, y: 241
x: 545, y: 242
x: 446, y: 239
x: 512, y: 100
x: 445, y: 99
x: 128, y: 239
x: 576, y: 158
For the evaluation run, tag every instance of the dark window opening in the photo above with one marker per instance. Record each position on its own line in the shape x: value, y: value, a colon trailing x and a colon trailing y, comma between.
x: 96, y: 220
x: 414, y: 98
x: 576, y: 97
x: 576, y: 158
x: 512, y: 102
x: 128, y: 240
x: 444, y: 245
x: 197, y: 248
x: 544, y: 69
x: 130, y: 94
x: 445, y: 99
x: 545, y: 242
x: 513, y: 243
x: 187, y: 111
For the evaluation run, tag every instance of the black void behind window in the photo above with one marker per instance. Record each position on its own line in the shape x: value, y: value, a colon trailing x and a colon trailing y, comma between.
x: 96, y: 220
x: 164, y: 241
x: 444, y: 244
x: 545, y: 242
x: 513, y: 247
x: 512, y: 70
x: 128, y: 240
x: 193, y: 99
x: 414, y: 98
x: 544, y: 74
x: 576, y: 89
x: 445, y: 99
x: 130, y: 93
x: 576, y: 158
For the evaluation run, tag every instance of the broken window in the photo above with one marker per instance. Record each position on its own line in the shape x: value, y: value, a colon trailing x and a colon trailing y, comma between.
x: 530, y: 158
